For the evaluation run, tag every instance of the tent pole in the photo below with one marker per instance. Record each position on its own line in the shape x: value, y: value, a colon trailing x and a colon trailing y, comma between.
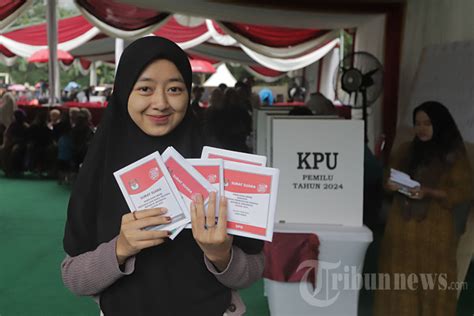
x: 93, y: 75
x: 119, y: 44
x: 53, y: 64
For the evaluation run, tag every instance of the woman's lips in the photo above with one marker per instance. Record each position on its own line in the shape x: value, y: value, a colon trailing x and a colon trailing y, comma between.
x: 159, y: 118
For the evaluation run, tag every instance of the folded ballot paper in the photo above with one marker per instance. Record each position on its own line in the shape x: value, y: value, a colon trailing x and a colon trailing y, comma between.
x: 147, y: 184
x: 250, y: 187
x: 403, y: 180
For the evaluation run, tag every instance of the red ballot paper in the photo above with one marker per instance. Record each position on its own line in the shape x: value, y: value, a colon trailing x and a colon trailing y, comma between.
x: 235, y: 156
x: 147, y: 184
x: 213, y: 171
x: 187, y: 179
x: 251, y: 192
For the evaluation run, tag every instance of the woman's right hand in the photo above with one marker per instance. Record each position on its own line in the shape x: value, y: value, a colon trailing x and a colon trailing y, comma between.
x: 133, y: 238
x: 392, y: 186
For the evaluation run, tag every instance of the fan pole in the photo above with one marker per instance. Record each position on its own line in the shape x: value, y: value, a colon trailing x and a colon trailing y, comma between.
x: 364, y: 113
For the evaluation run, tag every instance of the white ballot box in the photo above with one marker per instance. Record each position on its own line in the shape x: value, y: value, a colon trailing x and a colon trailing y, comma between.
x: 338, y: 278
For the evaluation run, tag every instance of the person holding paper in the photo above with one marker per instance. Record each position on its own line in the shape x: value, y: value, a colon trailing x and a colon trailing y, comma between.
x: 420, y: 237
x: 130, y: 270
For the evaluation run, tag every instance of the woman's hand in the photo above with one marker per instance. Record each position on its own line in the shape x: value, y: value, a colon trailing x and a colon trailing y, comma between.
x: 417, y: 193
x: 132, y: 238
x: 392, y: 186
x: 212, y: 237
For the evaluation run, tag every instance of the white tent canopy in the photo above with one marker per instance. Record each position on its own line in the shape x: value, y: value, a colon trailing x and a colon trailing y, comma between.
x: 222, y: 75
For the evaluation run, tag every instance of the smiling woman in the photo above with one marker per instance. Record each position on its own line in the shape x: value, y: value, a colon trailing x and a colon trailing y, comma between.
x: 110, y: 255
x: 159, y: 99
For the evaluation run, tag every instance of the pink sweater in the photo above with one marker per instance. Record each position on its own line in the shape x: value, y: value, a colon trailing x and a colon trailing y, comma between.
x: 92, y: 272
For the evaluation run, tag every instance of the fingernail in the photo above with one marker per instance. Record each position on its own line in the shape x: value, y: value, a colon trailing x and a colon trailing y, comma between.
x: 197, y: 197
x: 169, y: 233
x: 163, y: 211
x: 168, y: 218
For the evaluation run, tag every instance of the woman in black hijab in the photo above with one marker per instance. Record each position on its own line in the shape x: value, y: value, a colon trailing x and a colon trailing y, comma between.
x: 422, y: 230
x: 109, y: 255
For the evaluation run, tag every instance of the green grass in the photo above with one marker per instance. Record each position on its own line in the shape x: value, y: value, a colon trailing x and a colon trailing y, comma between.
x: 32, y: 217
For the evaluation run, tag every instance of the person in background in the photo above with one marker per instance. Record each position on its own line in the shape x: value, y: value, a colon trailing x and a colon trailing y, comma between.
x: 253, y: 97
x: 320, y: 105
x: 196, y: 105
x: 40, y: 147
x: 222, y: 87
x: 73, y: 113
x: 300, y: 110
x: 420, y: 237
x: 229, y: 124
x: 216, y: 99
x: 7, y: 107
x: 297, y: 92
x: 87, y: 113
x: 54, y: 118
x: 266, y: 96
x: 13, y: 150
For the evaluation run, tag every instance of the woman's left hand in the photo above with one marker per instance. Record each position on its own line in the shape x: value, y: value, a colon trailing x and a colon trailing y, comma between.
x: 417, y: 193
x: 212, y: 237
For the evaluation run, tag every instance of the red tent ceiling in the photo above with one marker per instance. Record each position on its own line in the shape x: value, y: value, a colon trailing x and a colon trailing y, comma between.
x: 122, y: 16
x: 7, y: 7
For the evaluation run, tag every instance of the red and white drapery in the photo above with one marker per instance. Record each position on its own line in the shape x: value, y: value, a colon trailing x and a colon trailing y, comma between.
x: 11, y: 9
x: 274, y: 48
x: 72, y: 32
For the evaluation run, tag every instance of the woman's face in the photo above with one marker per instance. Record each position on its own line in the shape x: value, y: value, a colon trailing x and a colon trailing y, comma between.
x: 159, y: 99
x: 423, y: 127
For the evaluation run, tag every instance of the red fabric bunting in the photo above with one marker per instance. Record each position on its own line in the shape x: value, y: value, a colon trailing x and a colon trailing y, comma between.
x: 274, y: 36
x: 85, y: 64
x: 7, y: 7
x: 267, y: 72
x: 178, y: 33
x: 68, y: 29
x: 122, y: 16
x: 4, y: 51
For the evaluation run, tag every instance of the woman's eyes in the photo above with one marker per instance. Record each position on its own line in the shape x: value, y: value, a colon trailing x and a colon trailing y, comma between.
x: 175, y: 90
x: 171, y: 90
x: 144, y: 89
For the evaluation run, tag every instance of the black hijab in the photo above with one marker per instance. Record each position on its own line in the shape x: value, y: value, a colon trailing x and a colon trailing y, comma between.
x: 445, y: 142
x: 170, y: 279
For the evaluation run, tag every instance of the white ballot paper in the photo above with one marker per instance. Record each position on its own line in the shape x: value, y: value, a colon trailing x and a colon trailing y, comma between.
x: 188, y: 180
x: 251, y: 192
x: 403, y: 180
x: 229, y: 155
x: 147, y: 184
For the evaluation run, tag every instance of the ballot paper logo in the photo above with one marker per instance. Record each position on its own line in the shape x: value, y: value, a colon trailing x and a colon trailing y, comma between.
x: 134, y: 184
x: 154, y: 173
x: 261, y: 188
x: 212, y: 178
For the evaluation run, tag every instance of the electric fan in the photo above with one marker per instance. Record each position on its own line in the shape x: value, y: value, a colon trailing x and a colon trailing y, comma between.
x: 358, y: 82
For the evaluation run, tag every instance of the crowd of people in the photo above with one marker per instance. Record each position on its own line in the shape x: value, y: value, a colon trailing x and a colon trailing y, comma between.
x: 52, y: 145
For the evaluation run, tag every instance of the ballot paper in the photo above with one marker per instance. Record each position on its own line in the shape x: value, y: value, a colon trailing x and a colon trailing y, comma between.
x: 213, y: 171
x: 187, y: 179
x: 229, y: 155
x: 147, y: 184
x: 251, y: 192
x: 403, y: 180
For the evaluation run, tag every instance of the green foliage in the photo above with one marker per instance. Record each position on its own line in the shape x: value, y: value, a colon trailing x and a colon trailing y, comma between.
x: 36, y: 14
